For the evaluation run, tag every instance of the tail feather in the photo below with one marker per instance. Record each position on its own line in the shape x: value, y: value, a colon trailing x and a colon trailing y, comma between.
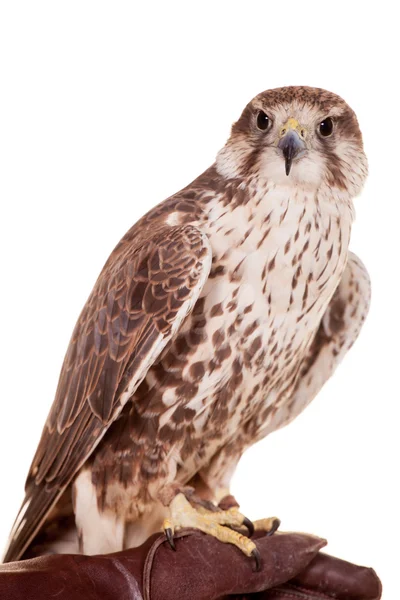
x: 30, y: 519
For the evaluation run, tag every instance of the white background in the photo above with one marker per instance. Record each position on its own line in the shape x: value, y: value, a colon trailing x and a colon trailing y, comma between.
x: 108, y: 108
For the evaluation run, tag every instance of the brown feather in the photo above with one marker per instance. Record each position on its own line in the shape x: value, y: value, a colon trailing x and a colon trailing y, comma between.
x: 123, y: 319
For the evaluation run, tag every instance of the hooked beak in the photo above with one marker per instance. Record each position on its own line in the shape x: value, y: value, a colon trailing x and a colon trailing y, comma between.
x: 291, y: 142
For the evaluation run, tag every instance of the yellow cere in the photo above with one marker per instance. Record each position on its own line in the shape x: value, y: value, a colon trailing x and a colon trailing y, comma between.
x: 294, y: 125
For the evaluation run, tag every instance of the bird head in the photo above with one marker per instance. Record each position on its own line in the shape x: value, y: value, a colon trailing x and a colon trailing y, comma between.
x: 297, y: 136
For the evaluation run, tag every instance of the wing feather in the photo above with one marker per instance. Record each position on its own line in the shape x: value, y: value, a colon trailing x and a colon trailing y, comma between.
x: 146, y: 289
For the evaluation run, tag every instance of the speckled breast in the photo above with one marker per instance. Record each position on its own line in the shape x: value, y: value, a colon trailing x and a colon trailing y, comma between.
x: 237, y: 357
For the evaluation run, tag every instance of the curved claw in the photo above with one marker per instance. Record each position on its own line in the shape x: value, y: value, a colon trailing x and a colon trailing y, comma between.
x: 274, y: 527
x: 247, y: 523
x: 255, y: 553
x: 170, y: 537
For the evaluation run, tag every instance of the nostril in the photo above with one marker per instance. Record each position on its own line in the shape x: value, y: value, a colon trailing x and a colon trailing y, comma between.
x: 283, y: 131
x: 302, y: 133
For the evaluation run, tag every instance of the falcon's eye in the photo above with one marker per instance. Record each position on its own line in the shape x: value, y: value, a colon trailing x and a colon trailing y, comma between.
x: 263, y: 121
x: 326, y: 127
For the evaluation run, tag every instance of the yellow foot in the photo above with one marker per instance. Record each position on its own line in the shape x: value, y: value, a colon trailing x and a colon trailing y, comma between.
x: 217, y: 524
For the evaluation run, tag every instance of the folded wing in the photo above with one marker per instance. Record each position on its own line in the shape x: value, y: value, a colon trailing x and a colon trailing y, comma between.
x: 146, y: 289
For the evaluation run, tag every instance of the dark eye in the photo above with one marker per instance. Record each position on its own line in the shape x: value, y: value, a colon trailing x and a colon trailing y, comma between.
x: 263, y: 121
x: 326, y: 127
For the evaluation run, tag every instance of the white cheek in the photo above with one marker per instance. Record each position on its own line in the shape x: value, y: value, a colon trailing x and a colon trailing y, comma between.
x: 354, y: 166
x: 306, y: 171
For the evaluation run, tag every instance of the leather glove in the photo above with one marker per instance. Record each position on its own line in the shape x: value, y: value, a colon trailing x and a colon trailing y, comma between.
x: 202, y: 568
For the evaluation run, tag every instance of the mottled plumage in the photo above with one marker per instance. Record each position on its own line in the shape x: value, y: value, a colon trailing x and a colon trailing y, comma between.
x: 215, y: 321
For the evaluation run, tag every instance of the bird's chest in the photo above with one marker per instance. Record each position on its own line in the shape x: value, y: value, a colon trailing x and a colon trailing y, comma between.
x: 276, y: 264
x: 273, y: 274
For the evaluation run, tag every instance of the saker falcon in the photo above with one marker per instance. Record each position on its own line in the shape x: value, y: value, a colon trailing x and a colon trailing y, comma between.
x: 215, y: 321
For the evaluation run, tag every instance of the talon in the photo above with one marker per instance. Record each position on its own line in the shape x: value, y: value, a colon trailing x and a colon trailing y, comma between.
x: 222, y: 525
x: 274, y: 527
x: 247, y: 523
x: 255, y: 553
x: 170, y: 537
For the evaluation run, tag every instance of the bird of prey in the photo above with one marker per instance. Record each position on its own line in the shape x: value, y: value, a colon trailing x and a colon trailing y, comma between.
x: 215, y: 321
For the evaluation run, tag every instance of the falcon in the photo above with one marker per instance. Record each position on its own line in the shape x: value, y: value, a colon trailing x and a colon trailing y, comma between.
x: 215, y: 321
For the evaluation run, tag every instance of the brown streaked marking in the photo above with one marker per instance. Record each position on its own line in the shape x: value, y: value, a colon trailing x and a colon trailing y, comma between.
x: 197, y: 371
x: 216, y: 310
x: 218, y: 338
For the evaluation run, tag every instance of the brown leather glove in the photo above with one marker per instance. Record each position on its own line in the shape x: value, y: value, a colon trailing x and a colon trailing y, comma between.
x: 201, y: 569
